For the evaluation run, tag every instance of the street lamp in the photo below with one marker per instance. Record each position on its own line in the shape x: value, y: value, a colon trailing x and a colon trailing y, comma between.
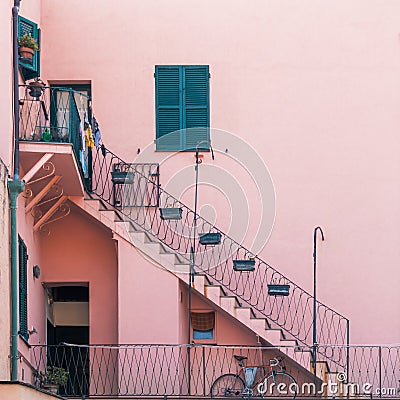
x: 193, y: 246
x: 315, y: 344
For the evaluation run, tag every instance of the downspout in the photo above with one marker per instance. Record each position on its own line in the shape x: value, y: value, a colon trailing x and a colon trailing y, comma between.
x: 15, y: 11
x: 15, y: 187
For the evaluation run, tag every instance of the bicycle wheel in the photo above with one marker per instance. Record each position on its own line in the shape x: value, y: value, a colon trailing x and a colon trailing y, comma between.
x: 278, y: 384
x: 228, y: 385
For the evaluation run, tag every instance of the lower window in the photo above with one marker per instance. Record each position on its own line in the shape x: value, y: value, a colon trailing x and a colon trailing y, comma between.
x: 203, y: 325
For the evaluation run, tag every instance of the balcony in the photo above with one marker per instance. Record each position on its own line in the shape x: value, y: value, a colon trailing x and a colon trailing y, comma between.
x: 55, y: 160
x: 130, y: 371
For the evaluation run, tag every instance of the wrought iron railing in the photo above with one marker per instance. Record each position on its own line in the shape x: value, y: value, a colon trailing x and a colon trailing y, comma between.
x: 293, y: 313
x: 161, y: 370
x: 54, y: 115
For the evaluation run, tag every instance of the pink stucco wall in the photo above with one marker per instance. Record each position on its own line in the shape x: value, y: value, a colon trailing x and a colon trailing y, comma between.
x: 77, y: 250
x: 148, y: 298
x: 88, y: 254
x: 313, y: 86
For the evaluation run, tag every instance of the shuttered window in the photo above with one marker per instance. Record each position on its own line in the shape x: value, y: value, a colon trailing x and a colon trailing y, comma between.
x: 29, y: 70
x: 23, y: 292
x: 182, y: 107
x: 203, y: 324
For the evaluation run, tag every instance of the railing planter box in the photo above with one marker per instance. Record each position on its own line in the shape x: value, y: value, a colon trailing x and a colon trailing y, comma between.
x: 278, y: 290
x: 170, y: 213
x: 121, y: 177
x: 244, y: 265
x: 211, y: 238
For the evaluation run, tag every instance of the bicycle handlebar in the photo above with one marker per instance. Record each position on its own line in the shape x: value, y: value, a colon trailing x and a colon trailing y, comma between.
x: 274, y: 362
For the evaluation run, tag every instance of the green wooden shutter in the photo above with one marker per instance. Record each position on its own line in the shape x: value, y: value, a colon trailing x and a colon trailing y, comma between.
x: 196, y: 109
x: 23, y: 289
x: 182, y: 101
x: 30, y: 71
x: 168, y: 108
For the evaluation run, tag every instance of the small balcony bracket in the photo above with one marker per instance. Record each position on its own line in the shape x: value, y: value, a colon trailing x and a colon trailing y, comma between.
x: 36, y: 200
x: 57, y: 207
x: 35, y: 169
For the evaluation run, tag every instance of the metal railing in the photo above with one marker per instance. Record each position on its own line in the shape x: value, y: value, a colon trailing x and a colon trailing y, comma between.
x: 293, y: 313
x: 161, y: 370
x: 54, y: 115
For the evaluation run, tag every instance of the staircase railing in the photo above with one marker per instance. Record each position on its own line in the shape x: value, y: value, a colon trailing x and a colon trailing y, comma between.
x: 141, y: 196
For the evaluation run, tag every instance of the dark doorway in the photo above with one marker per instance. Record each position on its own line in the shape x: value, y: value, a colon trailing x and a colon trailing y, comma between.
x: 62, y: 338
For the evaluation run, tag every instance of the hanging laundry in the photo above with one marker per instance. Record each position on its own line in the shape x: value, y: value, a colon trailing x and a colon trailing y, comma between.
x: 82, y: 147
x: 96, y: 132
x: 88, y: 135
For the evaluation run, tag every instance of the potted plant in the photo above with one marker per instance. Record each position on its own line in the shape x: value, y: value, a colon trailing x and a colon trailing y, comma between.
x: 27, y: 47
x: 52, y: 378
x: 36, y: 88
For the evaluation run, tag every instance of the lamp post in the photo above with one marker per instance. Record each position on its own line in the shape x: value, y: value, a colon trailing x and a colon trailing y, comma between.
x: 198, y: 161
x: 315, y: 344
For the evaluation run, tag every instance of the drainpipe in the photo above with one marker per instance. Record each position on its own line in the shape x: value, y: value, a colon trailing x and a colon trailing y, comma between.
x: 15, y: 11
x: 15, y: 187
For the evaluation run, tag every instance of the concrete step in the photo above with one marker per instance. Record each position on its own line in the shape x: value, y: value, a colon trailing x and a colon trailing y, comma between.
x: 169, y: 259
x: 244, y: 315
x: 98, y: 203
x: 229, y: 304
x: 213, y: 293
x: 274, y: 336
x: 258, y: 325
x: 199, y: 283
x: 138, y: 237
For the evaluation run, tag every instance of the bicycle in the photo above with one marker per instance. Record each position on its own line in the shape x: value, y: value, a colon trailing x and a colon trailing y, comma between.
x: 275, y: 383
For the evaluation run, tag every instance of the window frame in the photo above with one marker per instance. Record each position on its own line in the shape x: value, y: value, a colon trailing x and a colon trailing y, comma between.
x: 212, y: 340
x: 30, y: 71
x: 183, y: 107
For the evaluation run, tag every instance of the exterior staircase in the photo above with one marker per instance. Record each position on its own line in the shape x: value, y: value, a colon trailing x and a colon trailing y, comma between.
x: 158, y: 253
x: 283, y: 322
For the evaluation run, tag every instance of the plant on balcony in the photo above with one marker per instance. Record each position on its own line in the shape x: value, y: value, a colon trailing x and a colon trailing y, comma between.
x: 52, y: 378
x: 36, y: 88
x: 27, y: 47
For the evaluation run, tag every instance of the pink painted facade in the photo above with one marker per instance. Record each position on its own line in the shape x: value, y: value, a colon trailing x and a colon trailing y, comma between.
x: 308, y: 91
x: 312, y: 88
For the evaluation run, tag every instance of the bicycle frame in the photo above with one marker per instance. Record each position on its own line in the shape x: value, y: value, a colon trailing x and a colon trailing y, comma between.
x: 254, y: 383
x: 271, y: 372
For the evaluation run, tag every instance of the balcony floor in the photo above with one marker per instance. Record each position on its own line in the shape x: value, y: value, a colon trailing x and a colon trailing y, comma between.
x: 62, y: 158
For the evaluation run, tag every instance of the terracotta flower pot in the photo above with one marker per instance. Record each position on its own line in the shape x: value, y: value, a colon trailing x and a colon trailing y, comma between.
x: 36, y: 89
x: 50, y: 387
x: 26, y: 54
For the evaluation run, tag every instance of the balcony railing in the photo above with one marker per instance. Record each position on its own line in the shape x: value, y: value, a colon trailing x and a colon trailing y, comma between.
x: 113, y: 371
x: 54, y: 115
